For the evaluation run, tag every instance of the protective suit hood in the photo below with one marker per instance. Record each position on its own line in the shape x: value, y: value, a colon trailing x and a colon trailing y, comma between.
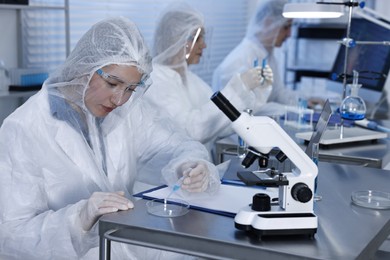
x: 266, y: 23
x: 175, y: 28
x: 111, y: 41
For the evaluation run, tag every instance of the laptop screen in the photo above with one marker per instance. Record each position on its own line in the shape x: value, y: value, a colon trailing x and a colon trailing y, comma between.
x: 372, y: 61
x: 319, y: 128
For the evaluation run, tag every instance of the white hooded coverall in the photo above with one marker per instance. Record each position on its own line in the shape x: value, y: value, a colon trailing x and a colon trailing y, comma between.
x: 180, y: 93
x: 51, y: 151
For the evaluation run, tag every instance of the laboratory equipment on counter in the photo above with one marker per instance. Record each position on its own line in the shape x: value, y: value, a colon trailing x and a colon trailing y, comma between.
x: 372, y: 125
x: 27, y: 79
x: 296, y: 116
x: 353, y: 107
x: 293, y: 214
x: 170, y: 207
x: 371, y: 199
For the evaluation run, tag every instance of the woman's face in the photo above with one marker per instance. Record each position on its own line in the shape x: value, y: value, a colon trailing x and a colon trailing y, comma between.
x: 274, y: 34
x: 284, y: 33
x: 110, y: 87
x: 198, y: 44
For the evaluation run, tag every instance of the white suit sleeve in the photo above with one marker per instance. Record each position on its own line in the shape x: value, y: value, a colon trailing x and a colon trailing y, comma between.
x: 161, y: 145
x: 202, y: 120
x: 236, y: 90
x: 29, y: 229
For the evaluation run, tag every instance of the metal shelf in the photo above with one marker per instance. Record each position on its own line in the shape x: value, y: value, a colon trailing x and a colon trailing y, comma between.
x: 308, y: 31
x: 21, y: 7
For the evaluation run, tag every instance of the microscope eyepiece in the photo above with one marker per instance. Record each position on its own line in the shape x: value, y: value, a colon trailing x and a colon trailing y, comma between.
x: 225, y: 106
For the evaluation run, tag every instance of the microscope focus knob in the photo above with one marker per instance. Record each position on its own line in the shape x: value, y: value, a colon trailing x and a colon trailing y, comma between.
x: 261, y: 202
x: 301, y: 192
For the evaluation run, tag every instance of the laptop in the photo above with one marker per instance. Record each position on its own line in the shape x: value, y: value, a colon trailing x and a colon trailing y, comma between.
x: 320, y: 127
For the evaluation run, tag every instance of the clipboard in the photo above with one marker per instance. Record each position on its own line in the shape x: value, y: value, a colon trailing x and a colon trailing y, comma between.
x: 228, y: 200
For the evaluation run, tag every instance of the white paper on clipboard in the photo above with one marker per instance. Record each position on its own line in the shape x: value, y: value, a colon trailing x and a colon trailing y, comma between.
x: 229, y: 198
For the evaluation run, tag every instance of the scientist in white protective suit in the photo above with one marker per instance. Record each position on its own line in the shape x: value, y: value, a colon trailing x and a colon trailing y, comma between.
x: 72, y: 152
x: 267, y: 30
x: 179, y: 41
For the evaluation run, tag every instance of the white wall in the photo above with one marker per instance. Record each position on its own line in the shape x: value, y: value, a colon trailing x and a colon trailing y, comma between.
x: 9, y: 46
x: 8, y: 39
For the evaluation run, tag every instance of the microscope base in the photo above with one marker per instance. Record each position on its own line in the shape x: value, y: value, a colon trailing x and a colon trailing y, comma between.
x: 281, y: 224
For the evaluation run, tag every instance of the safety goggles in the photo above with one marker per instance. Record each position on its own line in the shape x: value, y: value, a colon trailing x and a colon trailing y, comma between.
x: 116, y: 82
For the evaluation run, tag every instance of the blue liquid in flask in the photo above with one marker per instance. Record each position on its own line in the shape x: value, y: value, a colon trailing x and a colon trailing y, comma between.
x: 353, y: 107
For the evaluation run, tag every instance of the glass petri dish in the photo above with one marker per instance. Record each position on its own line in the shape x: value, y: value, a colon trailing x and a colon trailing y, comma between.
x: 168, y: 208
x: 371, y: 199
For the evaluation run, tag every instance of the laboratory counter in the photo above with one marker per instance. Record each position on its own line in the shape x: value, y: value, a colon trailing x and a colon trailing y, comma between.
x: 345, y: 231
x: 17, y: 94
x: 373, y: 153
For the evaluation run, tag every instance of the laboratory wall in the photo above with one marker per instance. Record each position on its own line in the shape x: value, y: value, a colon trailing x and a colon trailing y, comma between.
x: 225, y: 21
x: 8, y: 47
x: 8, y: 54
x: 226, y: 30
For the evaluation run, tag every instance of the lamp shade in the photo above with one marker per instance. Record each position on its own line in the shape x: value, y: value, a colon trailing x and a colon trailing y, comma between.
x: 312, y: 10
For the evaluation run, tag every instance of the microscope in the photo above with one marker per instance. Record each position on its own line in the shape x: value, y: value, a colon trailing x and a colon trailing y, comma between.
x: 293, y: 213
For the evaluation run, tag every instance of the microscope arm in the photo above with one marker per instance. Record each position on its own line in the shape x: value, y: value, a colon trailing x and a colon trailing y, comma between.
x: 295, y: 188
x: 263, y: 133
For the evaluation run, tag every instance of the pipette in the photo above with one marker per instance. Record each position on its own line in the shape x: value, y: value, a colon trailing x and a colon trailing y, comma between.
x: 263, y: 64
x: 175, y: 188
x: 177, y: 185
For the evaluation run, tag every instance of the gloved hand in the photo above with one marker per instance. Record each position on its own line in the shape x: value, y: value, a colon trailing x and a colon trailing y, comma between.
x: 101, y: 203
x: 258, y: 77
x: 196, y: 177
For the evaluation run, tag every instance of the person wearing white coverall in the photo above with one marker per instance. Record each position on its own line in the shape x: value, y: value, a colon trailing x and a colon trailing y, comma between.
x: 72, y: 152
x: 184, y: 96
x: 267, y: 30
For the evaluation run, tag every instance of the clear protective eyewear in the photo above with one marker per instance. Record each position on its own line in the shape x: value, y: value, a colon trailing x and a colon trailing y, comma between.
x: 117, y: 82
x: 126, y: 90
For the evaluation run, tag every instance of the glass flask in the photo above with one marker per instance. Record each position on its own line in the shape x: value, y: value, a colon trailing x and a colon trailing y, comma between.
x: 353, y: 107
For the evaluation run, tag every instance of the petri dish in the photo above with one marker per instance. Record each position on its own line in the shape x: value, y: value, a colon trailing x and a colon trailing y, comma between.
x: 168, y: 208
x: 371, y: 199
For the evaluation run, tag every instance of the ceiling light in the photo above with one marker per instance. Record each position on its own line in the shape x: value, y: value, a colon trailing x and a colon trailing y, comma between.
x: 312, y: 10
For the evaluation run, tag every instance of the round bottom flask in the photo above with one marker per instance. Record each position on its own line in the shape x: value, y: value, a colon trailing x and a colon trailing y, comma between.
x: 353, y: 107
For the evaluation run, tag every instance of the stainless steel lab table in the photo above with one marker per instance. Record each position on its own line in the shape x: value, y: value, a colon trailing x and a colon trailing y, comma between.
x: 345, y: 231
